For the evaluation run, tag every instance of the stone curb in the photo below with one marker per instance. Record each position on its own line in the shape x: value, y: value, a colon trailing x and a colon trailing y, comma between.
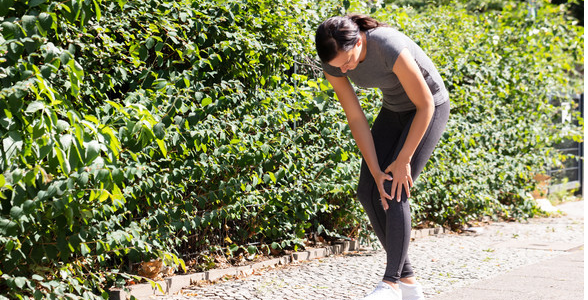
x: 174, y: 284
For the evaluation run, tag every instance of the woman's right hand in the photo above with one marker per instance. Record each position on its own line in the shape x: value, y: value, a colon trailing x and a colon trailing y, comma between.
x: 380, y: 178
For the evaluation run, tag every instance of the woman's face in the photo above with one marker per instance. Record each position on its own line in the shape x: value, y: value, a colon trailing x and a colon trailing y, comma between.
x: 347, y: 60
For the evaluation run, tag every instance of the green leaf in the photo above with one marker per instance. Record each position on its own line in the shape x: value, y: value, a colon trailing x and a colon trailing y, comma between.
x: 8, y: 228
x: 159, y: 84
x: 84, y: 249
x: 30, y: 177
x: 16, y: 212
x: 20, y: 282
x: 92, y: 151
x: 34, y: 107
x: 37, y: 277
x: 149, y: 43
x: 66, y: 141
x: 104, y: 194
x: 45, y: 20
x: 5, y: 6
x: 252, y: 249
x: 97, y: 10
x: 206, y: 101
x: 33, y: 3
x: 272, y: 177
x: 63, y: 162
x: 65, y: 57
x: 159, y: 131
x: 62, y: 126
x: 162, y: 147
x: 9, y: 30
x: 29, y: 23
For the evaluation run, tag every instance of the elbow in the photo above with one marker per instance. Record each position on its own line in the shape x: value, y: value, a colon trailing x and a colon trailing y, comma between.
x: 427, y: 105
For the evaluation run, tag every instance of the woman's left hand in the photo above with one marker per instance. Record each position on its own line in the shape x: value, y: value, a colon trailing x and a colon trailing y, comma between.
x: 401, y: 177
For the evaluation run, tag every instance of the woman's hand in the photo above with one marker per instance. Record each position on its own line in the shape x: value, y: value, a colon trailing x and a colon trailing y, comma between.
x: 401, y: 178
x: 380, y: 178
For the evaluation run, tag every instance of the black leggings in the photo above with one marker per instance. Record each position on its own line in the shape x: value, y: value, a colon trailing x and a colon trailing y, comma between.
x: 393, y: 226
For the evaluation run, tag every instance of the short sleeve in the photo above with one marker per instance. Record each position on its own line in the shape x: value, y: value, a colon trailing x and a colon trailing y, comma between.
x: 333, y: 71
x: 391, y: 48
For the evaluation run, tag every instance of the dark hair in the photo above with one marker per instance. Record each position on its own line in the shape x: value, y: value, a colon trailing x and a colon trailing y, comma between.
x: 341, y: 34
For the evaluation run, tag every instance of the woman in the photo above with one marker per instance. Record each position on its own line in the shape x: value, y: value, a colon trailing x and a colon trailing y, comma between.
x: 414, y: 113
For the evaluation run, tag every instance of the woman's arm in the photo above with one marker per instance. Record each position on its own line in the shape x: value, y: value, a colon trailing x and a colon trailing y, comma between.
x: 360, y: 130
x: 419, y: 93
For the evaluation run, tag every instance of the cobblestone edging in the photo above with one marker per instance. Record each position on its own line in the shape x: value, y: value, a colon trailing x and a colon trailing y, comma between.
x: 176, y: 283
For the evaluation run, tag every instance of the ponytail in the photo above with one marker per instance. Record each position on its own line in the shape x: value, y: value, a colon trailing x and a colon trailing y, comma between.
x: 365, y: 22
x: 341, y: 34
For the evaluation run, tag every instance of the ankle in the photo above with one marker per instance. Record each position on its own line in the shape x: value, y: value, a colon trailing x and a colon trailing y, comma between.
x: 392, y: 284
x: 408, y: 280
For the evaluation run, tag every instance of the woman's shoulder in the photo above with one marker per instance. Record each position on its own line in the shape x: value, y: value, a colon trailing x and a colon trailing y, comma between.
x: 385, y: 33
x: 387, y: 40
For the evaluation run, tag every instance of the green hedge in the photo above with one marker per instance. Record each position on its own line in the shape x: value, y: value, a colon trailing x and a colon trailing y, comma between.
x: 500, y: 67
x: 129, y: 127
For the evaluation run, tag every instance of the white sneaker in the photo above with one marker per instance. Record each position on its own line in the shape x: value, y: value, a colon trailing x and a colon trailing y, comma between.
x: 384, y: 291
x: 411, y: 291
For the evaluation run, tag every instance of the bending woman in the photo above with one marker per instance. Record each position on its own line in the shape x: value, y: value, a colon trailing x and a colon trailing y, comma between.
x: 414, y: 113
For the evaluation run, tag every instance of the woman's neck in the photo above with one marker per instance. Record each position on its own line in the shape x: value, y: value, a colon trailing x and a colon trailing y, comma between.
x: 363, y: 46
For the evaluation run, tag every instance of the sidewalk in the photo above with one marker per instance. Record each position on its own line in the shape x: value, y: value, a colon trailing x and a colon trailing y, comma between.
x: 561, y: 277
x: 558, y: 278
x: 539, y: 259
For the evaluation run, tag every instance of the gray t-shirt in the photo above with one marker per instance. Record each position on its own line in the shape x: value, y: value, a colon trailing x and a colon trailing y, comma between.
x: 384, y: 44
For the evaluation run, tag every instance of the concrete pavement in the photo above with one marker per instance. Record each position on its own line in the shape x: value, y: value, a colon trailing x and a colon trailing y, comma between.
x: 561, y: 277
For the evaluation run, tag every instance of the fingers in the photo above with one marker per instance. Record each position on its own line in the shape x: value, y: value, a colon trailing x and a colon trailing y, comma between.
x: 408, y: 191
x: 385, y: 204
x: 410, y: 181
x: 393, y: 190
x: 396, y: 190
x: 399, y: 192
x: 386, y: 195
